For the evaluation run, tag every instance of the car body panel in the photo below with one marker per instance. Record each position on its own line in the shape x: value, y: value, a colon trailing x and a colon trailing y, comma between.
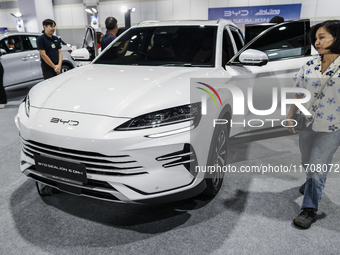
x: 74, y: 117
x: 146, y: 89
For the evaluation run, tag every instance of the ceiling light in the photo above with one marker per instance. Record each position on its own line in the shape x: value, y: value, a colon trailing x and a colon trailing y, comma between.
x: 88, y: 10
x: 17, y: 15
x: 124, y: 9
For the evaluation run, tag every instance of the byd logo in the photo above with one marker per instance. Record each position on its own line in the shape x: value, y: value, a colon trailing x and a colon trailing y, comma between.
x: 236, y: 13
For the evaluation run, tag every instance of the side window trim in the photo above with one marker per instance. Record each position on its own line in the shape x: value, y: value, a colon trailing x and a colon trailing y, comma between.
x: 231, y: 39
x: 237, y: 32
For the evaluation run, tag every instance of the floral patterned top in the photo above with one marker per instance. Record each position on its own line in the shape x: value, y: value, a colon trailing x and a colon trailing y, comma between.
x: 324, y: 104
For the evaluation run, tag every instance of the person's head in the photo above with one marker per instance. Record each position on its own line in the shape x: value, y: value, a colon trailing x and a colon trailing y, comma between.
x: 111, y: 24
x: 49, y: 26
x: 11, y: 42
x: 325, y: 37
x: 277, y: 19
x: 99, y: 37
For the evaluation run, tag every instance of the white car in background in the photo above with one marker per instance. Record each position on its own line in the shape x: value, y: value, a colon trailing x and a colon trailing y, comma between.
x: 128, y: 127
x: 21, y: 60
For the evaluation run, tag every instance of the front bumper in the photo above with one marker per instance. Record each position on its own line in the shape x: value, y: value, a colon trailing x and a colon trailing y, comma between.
x: 120, y: 166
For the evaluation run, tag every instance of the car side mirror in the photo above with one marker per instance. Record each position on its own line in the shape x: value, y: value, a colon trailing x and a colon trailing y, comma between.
x: 253, y: 57
x: 80, y: 54
x: 3, y: 52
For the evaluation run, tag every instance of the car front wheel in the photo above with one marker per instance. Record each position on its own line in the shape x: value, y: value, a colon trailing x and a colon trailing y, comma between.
x: 216, y: 160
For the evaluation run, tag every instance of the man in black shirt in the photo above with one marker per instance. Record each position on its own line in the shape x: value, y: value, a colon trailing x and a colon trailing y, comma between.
x: 112, y: 29
x: 50, y: 50
x: 3, y: 96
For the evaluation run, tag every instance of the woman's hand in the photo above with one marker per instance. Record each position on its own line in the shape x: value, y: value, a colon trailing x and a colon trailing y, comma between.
x: 290, y: 124
x: 293, y: 109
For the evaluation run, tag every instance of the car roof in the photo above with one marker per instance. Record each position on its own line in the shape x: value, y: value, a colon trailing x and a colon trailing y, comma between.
x: 3, y: 35
x: 7, y: 34
x: 152, y: 23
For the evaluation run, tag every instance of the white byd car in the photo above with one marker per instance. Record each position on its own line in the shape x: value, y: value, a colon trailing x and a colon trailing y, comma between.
x: 131, y: 126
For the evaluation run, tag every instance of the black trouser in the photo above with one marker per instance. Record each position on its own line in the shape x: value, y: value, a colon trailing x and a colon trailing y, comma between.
x: 3, y: 96
x: 48, y: 72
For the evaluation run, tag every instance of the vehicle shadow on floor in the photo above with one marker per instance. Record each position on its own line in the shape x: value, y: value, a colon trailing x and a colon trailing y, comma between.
x: 75, y: 221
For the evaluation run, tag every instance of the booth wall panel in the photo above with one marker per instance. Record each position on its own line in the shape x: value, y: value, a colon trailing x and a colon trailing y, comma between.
x: 164, y: 10
x: 148, y: 10
x: 181, y: 9
x: 198, y: 9
x: 66, y: 2
x: 78, y: 16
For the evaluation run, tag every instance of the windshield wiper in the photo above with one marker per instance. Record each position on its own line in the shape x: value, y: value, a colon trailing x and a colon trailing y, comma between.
x: 186, y: 64
x: 190, y: 65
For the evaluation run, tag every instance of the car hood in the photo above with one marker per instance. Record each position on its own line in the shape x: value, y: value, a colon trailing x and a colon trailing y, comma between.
x: 117, y: 91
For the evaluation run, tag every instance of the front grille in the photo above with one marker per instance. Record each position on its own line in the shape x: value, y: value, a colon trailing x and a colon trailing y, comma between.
x: 95, y: 163
x: 85, y: 190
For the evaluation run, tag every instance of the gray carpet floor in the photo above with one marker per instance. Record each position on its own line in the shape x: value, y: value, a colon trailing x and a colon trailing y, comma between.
x: 252, y: 214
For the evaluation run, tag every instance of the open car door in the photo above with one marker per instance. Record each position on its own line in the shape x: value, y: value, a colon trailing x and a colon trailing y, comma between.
x: 270, y: 61
x: 89, y: 50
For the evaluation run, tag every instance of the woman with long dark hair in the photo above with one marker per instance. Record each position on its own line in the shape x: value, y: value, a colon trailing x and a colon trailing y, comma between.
x: 320, y: 136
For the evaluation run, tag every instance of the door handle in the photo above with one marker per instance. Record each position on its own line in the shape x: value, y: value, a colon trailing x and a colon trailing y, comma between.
x: 24, y: 59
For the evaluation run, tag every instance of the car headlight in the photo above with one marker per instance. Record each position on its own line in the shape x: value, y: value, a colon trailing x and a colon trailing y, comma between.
x: 189, y: 112
x: 27, y: 105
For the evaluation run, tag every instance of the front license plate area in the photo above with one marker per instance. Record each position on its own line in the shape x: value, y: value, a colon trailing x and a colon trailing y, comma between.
x: 60, y: 169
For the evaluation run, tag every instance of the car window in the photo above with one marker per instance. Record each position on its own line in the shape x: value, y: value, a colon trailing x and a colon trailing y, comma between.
x: 168, y: 45
x: 283, y: 41
x: 14, y: 44
x: 253, y: 30
x: 33, y: 42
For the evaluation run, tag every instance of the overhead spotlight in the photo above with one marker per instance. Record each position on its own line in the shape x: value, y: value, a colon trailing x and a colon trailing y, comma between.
x: 133, y: 9
x: 94, y: 10
x: 88, y: 10
x: 124, y: 9
x: 17, y: 15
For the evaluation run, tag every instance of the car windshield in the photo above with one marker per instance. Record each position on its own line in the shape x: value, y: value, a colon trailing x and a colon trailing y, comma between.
x: 163, y: 46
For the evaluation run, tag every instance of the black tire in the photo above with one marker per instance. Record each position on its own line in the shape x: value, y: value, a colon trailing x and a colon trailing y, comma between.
x: 65, y: 68
x: 218, y: 154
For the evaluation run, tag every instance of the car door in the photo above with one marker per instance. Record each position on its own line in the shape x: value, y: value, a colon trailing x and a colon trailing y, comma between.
x: 89, y: 50
x: 90, y: 42
x: 288, y: 48
x: 34, y: 56
x: 16, y: 61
